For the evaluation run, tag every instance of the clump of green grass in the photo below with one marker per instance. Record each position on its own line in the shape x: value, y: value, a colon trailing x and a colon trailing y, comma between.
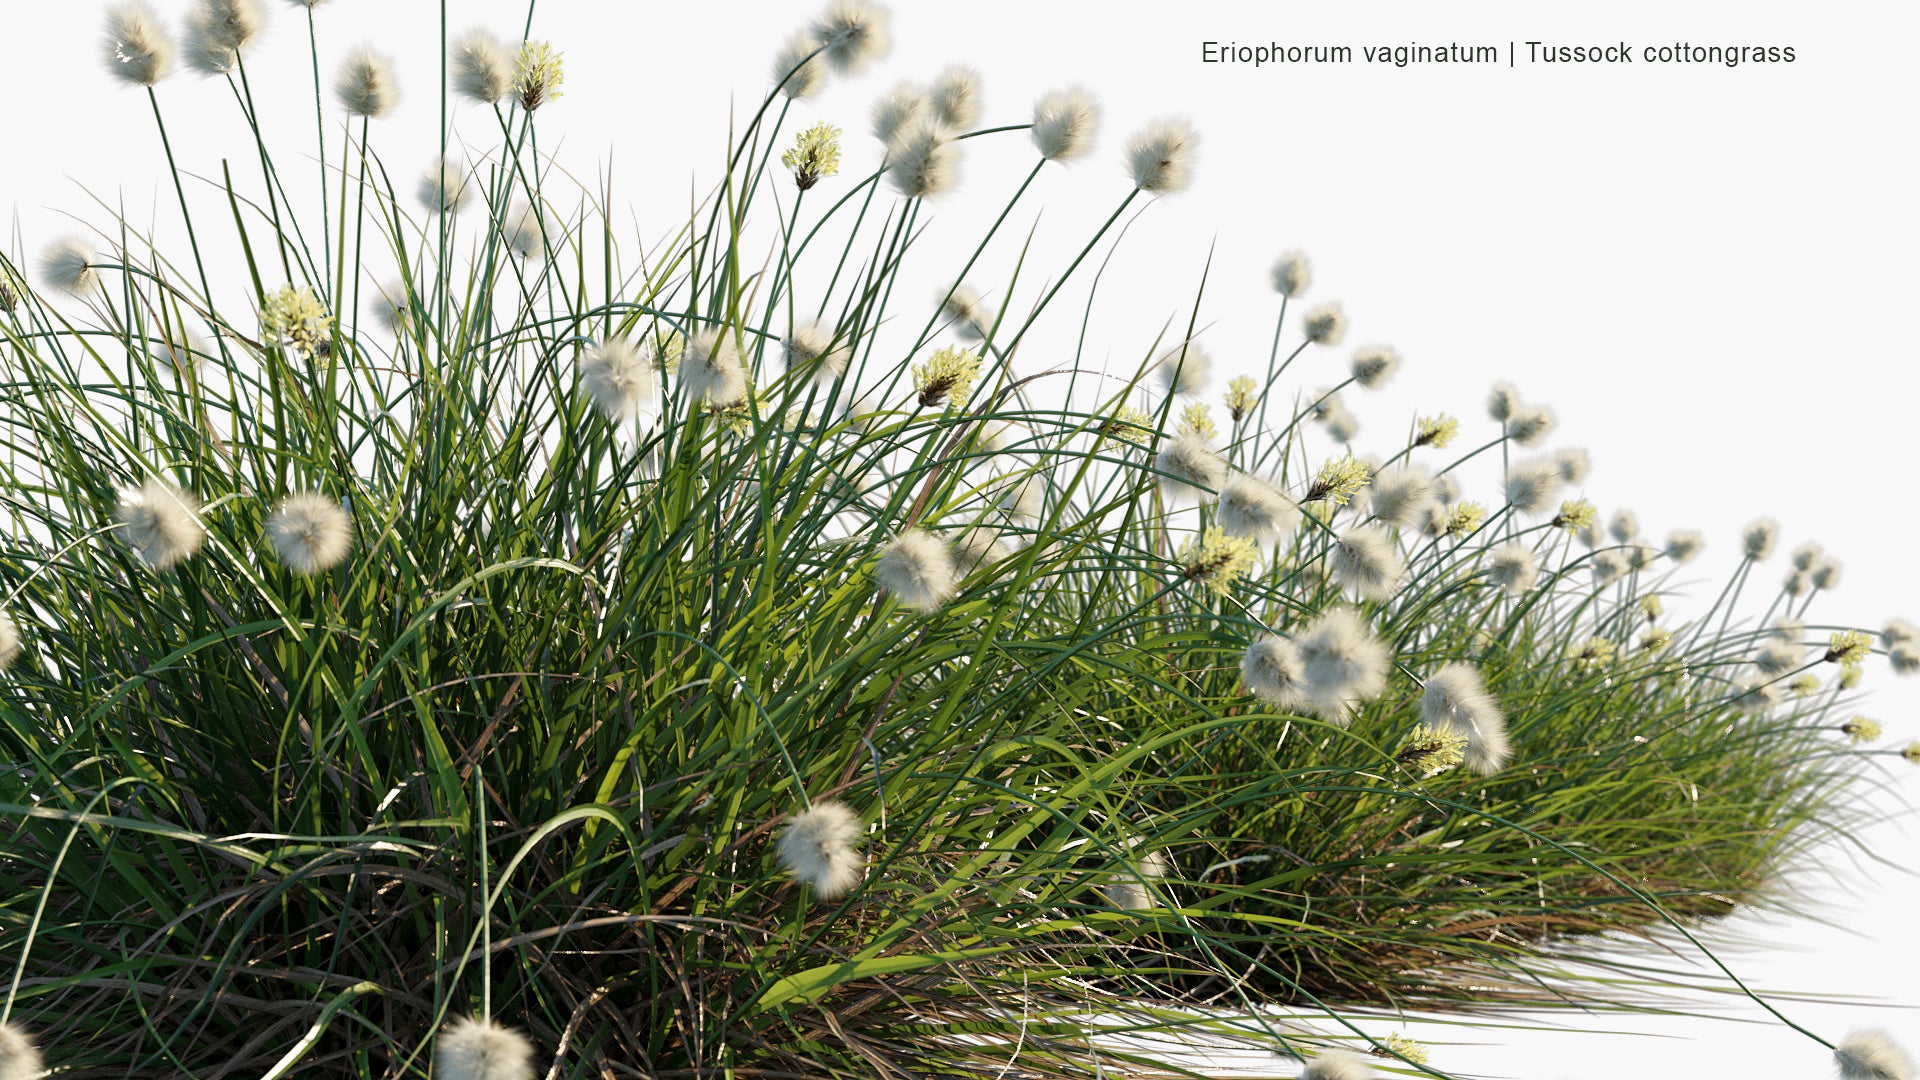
x: 698, y: 667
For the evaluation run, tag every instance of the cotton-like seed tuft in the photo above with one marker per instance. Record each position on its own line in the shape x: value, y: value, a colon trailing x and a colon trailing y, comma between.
x: 310, y: 532
x: 954, y: 97
x: 1252, y: 508
x: 854, y: 32
x: 1292, y: 274
x: 1366, y: 561
x: 1625, y: 527
x: 900, y: 110
x: 1272, y: 671
x: 923, y: 162
x: 617, y: 376
x: 969, y: 314
x: 1574, y: 465
x: 1324, y: 325
x: 1826, y: 573
x: 918, y: 569
x: 482, y: 66
x: 1530, y: 425
x: 817, y: 847
x: 475, y: 1049
x: 1532, y: 484
x: 1899, y: 632
x: 1869, y: 1054
x: 1342, y: 664
x: 1065, y: 123
x: 1757, y: 540
x: 1503, y: 402
x: 1457, y: 699
x: 1402, y: 494
x: 1512, y: 567
x: 444, y: 187
x: 1337, y: 1065
x: 523, y: 233
x: 1184, y: 369
x: 1160, y: 156
x: 1684, y: 544
x: 137, y: 49
x: 68, y: 264
x: 1374, y: 365
x: 711, y: 370
x: 217, y: 30
x: 1191, y: 466
x: 366, y: 86
x: 800, y: 67
x: 812, y: 345
x: 9, y: 641
x: 19, y: 1058
x: 162, y: 523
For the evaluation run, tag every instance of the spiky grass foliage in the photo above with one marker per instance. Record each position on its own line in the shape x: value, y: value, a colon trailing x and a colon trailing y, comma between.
x: 527, y: 752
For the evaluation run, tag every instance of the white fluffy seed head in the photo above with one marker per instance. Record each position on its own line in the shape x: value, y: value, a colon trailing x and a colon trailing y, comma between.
x: 1292, y: 274
x: 1574, y: 465
x: 162, y: 523
x: 899, y: 110
x: 1324, y: 325
x: 923, y: 161
x: 1184, y: 369
x: 1684, y: 544
x: 1374, y: 365
x: 918, y: 569
x: 1826, y: 573
x: 68, y: 264
x: 217, y: 30
x: 1342, y: 664
x: 9, y: 645
x: 800, y: 67
x: 1366, y: 561
x: 523, y: 233
x: 1806, y: 555
x: 445, y: 187
x: 482, y: 66
x: 1065, y: 123
x: 1899, y: 632
x: 1272, y: 671
x: 366, y: 86
x: 1401, y: 494
x: 954, y: 97
x: 1532, y: 484
x: 1503, y: 402
x: 1191, y: 466
x: 137, y: 49
x: 310, y: 532
x: 1757, y: 540
x: 392, y: 308
x: 617, y: 375
x: 1455, y: 698
x: 19, y: 1058
x: 1625, y: 526
x: 817, y: 847
x: 969, y: 314
x: 853, y: 32
x: 1529, y: 425
x: 1608, y: 567
x: 711, y: 370
x: 1512, y: 567
x: 1252, y: 508
x: 1869, y: 1054
x: 1779, y: 656
x: 811, y: 345
x: 1337, y: 1065
x: 1160, y: 156
x: 476, y: 1049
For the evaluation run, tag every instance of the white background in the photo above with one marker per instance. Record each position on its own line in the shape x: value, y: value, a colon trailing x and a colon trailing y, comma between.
x: 1707, y: 272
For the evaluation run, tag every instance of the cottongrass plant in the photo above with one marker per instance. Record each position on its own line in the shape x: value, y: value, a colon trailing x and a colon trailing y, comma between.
x: 449, y: 641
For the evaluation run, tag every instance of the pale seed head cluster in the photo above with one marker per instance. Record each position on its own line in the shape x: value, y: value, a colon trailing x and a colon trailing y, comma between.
x: 481, y: 66
x: 1065, y: 123
x: 136, y: 47
x: 918, y: 570
x: 476, y: 1048
x: 1160, y: 156
x: 817, y: 847
x: 310, y: 532
x: 162, y: 523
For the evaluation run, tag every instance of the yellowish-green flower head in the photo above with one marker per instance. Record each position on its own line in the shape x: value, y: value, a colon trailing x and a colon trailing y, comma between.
x: 1436, y: 431
x: 815, y: 155
x: 1656, y: 639
x: 1849, y: 648
x: 1405, y: 1047
x: 1576, y: 514
x: 946, y: 376
x: 1198, y: 419
x: 1651, y: 608
x: 1339, y: 480
x: 1804, y: 686
x: 1465, y: 518
x: 296, y: 318
x: 537, y: 74
x: 1242, y: 395
x: 1218, y: 560
x: 1912, y: 752
x: 1861, y: 730
x: 1850, y: 677
x: 1430, y: 750
x: 1591, y: 653
x: 1129, y: 424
